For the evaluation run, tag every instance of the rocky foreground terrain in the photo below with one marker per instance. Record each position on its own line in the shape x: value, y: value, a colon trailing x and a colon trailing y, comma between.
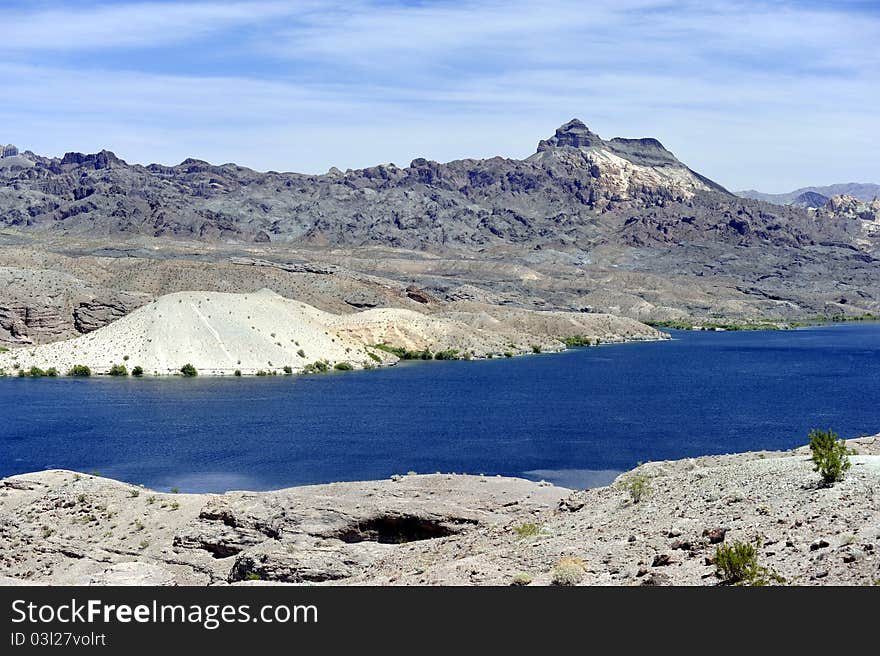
x: 61, y: 527
x: 585, y: 224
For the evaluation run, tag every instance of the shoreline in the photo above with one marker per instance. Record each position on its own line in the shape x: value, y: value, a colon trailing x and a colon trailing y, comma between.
x: 446, y: 529
x: 328, y: 368
x: 762, y: 325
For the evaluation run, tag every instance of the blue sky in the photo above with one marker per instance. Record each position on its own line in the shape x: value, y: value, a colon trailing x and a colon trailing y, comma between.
x: 771, y: 95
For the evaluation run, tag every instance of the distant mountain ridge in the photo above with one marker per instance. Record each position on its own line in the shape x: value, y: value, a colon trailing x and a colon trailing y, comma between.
x: 864, y: 191
x: 619, y: 226
x: 575, y: 192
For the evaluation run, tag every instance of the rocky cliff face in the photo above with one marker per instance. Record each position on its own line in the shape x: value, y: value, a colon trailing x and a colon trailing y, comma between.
x: 863, y: 217
x: 38, y: 306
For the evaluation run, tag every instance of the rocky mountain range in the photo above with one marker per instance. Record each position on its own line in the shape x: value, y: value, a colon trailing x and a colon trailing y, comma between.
x: 810, y: 196
x: 588, y: 224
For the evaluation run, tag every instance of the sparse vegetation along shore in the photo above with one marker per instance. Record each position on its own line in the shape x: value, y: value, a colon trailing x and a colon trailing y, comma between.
x: 760, y: 324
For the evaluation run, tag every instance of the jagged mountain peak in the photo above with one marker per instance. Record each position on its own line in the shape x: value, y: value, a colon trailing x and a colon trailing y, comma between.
x: 575, y: 134
x: 622, y: 164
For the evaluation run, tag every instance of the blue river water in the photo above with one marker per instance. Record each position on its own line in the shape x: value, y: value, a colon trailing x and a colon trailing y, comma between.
x: 576, y: 418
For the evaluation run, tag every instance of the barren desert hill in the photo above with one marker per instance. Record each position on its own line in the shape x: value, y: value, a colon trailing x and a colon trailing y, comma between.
x: 221, y: 333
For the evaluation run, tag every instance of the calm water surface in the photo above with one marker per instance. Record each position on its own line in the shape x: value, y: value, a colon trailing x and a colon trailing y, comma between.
x: 575, y: 418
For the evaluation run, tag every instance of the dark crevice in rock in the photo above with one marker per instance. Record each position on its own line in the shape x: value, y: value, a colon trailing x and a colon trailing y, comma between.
x: 398, y: 529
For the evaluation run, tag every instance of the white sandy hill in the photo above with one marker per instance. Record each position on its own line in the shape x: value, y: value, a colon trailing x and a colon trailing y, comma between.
x: 219, y: 333
x: 215, y: 332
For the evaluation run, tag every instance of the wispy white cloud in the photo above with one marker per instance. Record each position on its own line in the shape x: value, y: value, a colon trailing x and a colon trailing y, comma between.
x: 752, y: 93
x: 108, y: 26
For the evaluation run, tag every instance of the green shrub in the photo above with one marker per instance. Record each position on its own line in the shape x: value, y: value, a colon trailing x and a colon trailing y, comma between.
x: 342, y: 366
x: 536, y: 348
x: 52, y: 372
x: 508, y: 354
x: 36, y: 372
x: 3, y: 349
x: 638, y: 486
x: 137, y: 372
x: 22, y: 373
x: 569, y: 571
x: 79, y: 371
x: 301, y: 353
x: 395, y: 350
x: 577, y: 340
x: 737, y: 564
x: 830, y: 456
x: 118, y: 370
x: 317, y: 367
x: 527, y: 530
x: 288, y: 370
x: 448, y: 354
x: 521, y: 578
x: 262, y: 372
x: 237, y: 372
x: 404, y: 354
x: 375, y: 357
x: 189, y: 371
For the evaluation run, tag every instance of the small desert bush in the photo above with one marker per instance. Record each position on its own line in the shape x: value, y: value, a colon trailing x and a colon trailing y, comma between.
x: 569, y: 570
x: 737, y: 564
x: 137, y: 372
x: 638, y: 486
x: 288, y: 370
x: 527, y: 530
x: 830, y: 457
x: 189, y: 371
x: 342, y: 366
x: 316, y: 367
x: 237, y: 372
x: 374, y: 357
x: 52, y: 372
x: 521, y: 578
x: 301, y: 353
x: 118, y: 370
x: 79, y: 371
x: 36, y: 372
x: 536, y: 348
